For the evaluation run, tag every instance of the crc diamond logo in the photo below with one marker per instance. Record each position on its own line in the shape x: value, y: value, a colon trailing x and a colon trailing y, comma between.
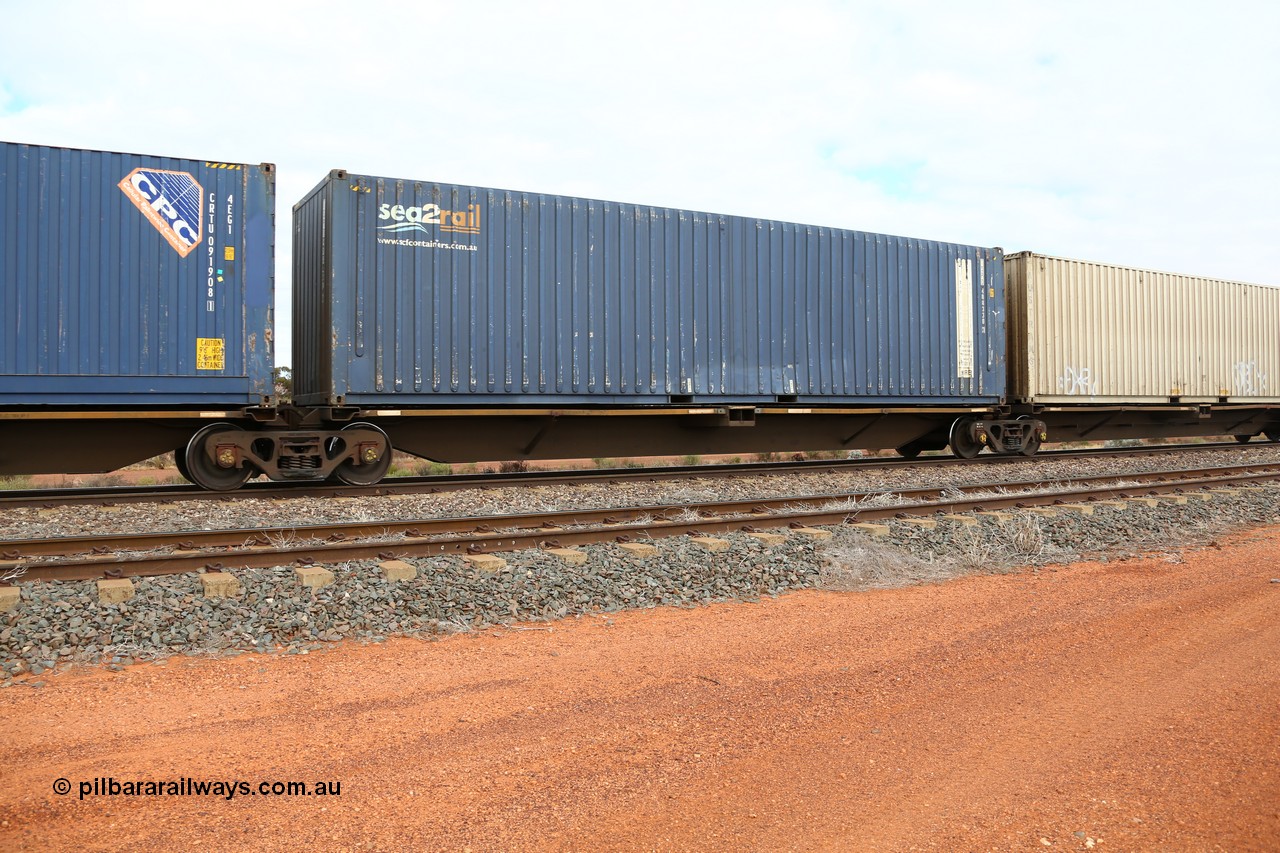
x: 171, y: 201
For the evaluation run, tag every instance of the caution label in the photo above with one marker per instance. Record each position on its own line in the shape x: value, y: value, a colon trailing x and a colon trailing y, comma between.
x: 211, y: 354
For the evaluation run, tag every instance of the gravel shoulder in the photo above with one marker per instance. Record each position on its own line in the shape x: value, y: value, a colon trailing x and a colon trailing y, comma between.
x: 59, y: 626
x: 1115, y: 706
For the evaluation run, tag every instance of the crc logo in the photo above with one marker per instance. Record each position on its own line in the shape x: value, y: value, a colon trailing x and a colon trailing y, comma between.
x: 171, y: 200
x: 416, y: 218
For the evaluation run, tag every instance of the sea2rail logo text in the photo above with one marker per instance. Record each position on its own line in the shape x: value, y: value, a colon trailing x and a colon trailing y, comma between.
x: 401, y: 219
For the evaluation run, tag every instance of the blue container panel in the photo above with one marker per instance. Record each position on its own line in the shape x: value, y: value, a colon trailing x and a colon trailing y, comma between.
x: 123, y: 275
x: 441, y: 294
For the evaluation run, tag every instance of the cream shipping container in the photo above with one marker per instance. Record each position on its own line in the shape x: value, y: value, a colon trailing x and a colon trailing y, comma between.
x: 1091, y: 333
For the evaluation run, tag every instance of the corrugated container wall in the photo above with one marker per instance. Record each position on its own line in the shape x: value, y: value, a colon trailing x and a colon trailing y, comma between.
x: 133, y: 280
x: 415, y: 293
x: 1082, y: 332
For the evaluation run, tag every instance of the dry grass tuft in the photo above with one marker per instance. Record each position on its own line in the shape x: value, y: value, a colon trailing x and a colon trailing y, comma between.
x: 851, y: 566
x: 1024, y: 536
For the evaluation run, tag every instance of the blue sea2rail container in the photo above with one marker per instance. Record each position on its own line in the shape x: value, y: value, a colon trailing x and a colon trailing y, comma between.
x: 415, y: 293
x: 134, y: 280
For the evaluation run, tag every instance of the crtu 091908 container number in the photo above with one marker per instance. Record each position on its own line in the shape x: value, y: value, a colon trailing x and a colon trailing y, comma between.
x: 462, y: 323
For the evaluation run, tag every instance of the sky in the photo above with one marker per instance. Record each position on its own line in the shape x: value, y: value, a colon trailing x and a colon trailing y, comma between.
x: 1139, y: 133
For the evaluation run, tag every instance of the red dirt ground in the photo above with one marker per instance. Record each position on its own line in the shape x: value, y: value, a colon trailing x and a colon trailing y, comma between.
x: 1124, y: 706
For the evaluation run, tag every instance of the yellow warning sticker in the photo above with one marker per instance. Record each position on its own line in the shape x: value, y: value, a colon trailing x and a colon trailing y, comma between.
x: 211, y: 354
x: 229, y: 253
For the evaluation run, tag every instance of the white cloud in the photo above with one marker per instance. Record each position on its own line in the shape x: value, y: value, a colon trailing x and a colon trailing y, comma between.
x: 1122, y: 131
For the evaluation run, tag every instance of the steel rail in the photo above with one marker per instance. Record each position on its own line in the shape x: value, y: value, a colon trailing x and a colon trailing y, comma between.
x: 194, y: 540
x: 463, y: 536
x: 113, y: 495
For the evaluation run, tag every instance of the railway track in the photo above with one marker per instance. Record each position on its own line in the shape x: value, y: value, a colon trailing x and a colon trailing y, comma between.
x: 115, y: 495
x: 171, y: 553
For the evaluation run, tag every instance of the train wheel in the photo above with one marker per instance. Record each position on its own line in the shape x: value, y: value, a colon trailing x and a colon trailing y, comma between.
x: 205, y: 472
x: 367, y: 473
x: 962, y: 444
x: 1243, y: 439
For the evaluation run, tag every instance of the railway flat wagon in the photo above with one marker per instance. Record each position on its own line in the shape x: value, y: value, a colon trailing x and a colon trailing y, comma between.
x: 1105, y: 351
x: 548, y: 326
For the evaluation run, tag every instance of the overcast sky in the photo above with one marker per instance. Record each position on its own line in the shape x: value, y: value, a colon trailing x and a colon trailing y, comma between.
x: 1141, y: 133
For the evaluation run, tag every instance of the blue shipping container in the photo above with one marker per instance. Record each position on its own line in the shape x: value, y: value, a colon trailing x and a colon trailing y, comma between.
x: 131, y: 280
x: 418, y: 293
